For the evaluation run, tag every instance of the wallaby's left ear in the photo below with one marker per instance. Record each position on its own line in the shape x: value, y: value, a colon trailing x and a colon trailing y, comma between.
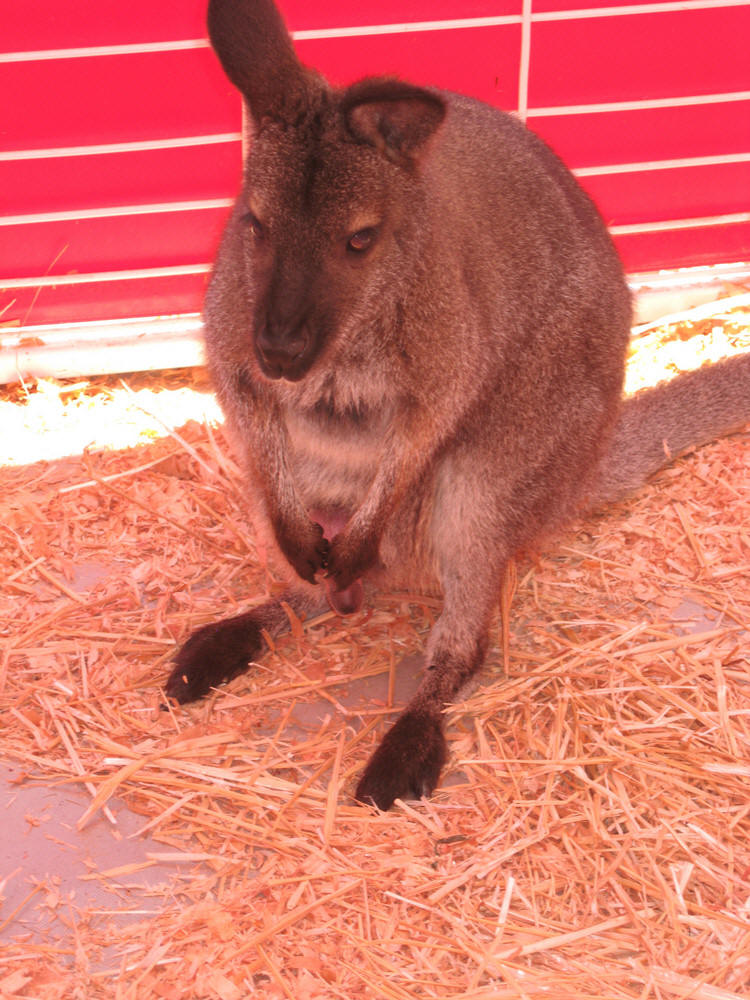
x: 257, y: 54
x: 395, y: 117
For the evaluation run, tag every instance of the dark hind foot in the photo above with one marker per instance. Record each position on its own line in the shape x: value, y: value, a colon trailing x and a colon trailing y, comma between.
x: 214, y: 654
x: 408, y: 762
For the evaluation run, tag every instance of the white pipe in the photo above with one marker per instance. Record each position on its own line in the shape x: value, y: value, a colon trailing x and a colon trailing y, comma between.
x: 70, y: 350
x: 658, y: 294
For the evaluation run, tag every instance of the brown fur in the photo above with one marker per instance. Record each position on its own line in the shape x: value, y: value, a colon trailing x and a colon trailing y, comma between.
x: 417, y: 328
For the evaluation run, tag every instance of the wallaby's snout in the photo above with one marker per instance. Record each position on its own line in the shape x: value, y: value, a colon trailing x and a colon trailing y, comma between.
x: 284, y: 348
x: 290, y: 320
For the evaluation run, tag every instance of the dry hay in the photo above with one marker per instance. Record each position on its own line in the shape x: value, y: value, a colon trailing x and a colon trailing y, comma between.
x: 591, y: 838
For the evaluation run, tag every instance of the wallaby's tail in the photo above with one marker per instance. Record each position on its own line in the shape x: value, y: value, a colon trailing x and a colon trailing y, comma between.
x: 657, y: 425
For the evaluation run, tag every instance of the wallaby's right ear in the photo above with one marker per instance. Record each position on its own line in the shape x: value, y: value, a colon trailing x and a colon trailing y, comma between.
x: 396, y: 118
x: 256, y: 52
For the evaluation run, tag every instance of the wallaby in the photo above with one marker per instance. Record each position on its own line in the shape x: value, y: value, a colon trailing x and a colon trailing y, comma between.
x: 416, y: 327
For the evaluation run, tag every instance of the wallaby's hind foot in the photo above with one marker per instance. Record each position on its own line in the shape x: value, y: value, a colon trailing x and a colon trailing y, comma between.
x: 408, y: 762
x: 213, y: 655
x: 220, y: 651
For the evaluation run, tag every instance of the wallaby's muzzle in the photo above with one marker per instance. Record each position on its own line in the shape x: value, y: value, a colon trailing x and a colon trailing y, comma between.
x: 285, y: 354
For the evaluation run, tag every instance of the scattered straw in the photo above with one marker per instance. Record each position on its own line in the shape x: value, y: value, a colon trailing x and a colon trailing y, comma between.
x: 591, y: 838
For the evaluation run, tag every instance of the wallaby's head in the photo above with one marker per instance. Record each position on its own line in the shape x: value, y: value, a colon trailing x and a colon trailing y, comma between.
x: 329, y: 213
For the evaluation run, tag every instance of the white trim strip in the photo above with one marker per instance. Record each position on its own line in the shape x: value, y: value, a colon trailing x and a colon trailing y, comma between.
x: 405, y: 27
x: 110, y: 346
x: 51, y: 281
x: 147, y: 48
x: 212, y: 204
x: 48, y: 281
x: 93, y: 51
x: 556, y: 111
x: 583, y: 13
x: 630, y: 168
x: 144, y: 146
x: 116, y: 211
x: 689, y: 277
x: 673, y: 224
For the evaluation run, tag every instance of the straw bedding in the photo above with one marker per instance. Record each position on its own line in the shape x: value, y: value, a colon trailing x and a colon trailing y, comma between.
x: 591, y: 838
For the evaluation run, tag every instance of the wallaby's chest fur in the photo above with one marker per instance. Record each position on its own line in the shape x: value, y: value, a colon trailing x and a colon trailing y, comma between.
x: 417, y: 327
x: 334, y: 454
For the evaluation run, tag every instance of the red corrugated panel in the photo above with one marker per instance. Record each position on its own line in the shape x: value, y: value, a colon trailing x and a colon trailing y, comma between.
x: 66, y: 183
x: 482, y: 60
x: 661, y: 195
x: 106, y: 299
x: 700, y: 245
x: 119, y: 98
x: 647, y: 134
x: 301, y: 15
x: 112, y: 243
x: 639, y: 56
x: 42, y: 25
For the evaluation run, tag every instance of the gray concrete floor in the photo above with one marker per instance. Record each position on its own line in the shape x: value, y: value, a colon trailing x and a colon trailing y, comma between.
x: 50, y: 871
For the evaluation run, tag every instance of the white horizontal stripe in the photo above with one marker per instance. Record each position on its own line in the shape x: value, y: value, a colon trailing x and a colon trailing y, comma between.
x: 145, y: 146
x: 684, y: 276
x: 92, y: 51
x: 690, y: 277
x: 210, y: 204
x: 404, y: 27
x: 115, y: 211
x: 50, y: 281
x: 672, y: 224
x: 181, y: 142
x: 695, y: 161
x: 644, y: 105
x: 146, y: 48
x: 583, y: 13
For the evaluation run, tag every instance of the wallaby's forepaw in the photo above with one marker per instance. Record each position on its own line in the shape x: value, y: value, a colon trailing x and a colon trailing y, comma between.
x: 305, y: 548
x: 408, y: 762
x: 349, y: 559
x: 213, y: 654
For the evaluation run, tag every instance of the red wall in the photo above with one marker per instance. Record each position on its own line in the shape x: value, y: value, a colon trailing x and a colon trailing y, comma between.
x: 120, y: 149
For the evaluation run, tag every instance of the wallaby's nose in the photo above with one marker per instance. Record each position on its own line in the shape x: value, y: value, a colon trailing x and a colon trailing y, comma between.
x: 280, y: 353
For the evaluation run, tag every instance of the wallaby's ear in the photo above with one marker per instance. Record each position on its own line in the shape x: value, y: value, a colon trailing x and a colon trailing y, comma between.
x: 256, y: 52
x: 397, y: 118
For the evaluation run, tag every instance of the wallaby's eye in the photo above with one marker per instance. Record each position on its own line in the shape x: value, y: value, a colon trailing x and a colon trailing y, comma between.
x: 253, y: 225
x: 362, y: 240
